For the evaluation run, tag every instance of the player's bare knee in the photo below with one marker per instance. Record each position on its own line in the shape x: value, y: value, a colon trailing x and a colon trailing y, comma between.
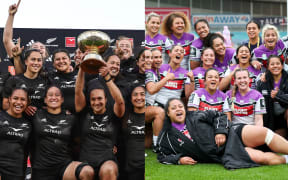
x: 108, y: 169
x: 161, y: 113
x: 87, y: 172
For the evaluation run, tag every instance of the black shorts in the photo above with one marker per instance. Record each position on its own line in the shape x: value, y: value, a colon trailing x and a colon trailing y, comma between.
x: 56, y: 173
x: 238, y: 130
x: 280, y: 122
x: 97, y: 168
x: 160, y: 104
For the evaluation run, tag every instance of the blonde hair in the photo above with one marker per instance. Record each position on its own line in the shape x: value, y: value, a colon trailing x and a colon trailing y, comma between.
x: 270, y: 27
x: 152, y: 14
x: 168, y: 22
x: 149, y: 17
x: 120, y: 38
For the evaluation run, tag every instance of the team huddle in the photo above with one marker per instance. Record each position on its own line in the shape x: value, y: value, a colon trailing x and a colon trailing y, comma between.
x: 206, y: 98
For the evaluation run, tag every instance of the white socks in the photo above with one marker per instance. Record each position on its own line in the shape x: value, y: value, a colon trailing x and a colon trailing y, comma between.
x: 155, y: 140
x: 286, y: 158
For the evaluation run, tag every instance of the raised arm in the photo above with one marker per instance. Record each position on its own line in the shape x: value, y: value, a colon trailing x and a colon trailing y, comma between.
x: 80, y: 101
x: 16, y: 52
x: 153, y: 87
x: 190, y: 87
x: 8, y: 30
x: 226, y: 81
x: 119, y: 105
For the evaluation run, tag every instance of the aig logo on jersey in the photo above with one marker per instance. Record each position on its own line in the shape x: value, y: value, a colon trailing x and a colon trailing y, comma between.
x: 98, y: 127
x: 52, y: 129
x: 137, y: 130
x: 15, y: 132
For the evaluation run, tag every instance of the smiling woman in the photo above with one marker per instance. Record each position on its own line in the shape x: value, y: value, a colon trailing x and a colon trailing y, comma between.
x: 243, y: 58
x: 275, y: 91
x: 14, y: 132
x: 55, y: 125
x: 176, y: 26
x: 64, y: 77
x: 174, y: 78
x: 223, y: 56
x: 182, y: 140
x: 34, y: 79
x: 247, y: 104
x: 132, y: 142
x: 99, y: 123
x: 154, y: 39
x: 273, y: 45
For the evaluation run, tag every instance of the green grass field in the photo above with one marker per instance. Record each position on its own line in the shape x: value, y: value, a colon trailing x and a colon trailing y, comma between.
x: 156, y: 171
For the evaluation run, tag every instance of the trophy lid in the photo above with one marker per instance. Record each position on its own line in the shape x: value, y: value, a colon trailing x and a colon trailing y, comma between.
x: 93, y: 40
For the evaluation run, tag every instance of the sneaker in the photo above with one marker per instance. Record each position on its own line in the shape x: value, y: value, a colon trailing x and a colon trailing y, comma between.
x: 155, y: 149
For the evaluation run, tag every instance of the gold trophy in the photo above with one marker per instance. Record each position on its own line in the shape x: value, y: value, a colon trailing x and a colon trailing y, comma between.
x: 95, y: 43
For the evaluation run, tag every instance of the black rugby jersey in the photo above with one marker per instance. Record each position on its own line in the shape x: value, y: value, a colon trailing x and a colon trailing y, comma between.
x: 14, y: 135
x: 99, y: 132
x: 52, y: 139
x: 134, y: 132
x: 66, y: 82
x: 37, y: 88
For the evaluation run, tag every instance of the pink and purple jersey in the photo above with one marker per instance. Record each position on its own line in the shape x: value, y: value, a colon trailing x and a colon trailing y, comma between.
x: 245, y: 107
x: 228, y: 59
x: 173, y: 88
x: 253, y: 74
x: 151, y: 76
x: 262, y: 53
x: 202, y: 100
x: 196, y: 50
x: 185, y: 41
x: 160, y: 42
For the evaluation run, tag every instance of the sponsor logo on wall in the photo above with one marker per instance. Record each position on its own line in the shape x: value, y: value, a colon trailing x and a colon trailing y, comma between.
x: 70, y: 42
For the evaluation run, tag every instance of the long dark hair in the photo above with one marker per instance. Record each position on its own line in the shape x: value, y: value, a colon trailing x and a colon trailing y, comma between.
x: 206, y: 72
x: 167, y: 120
x: 268, y: 75
x: 129, y: 105
x: 208, y: 42
x: 237, y: 51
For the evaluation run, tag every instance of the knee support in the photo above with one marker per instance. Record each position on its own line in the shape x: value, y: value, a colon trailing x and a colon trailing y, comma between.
x: 269, y: 137
x: 78, y: 170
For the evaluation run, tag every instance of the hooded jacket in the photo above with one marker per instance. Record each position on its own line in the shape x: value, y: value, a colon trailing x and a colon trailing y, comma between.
x: 281, y: 97
x: 203, y: 126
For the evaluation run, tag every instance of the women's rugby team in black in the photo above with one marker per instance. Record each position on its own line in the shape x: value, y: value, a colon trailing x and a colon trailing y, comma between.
x: 67, y: 124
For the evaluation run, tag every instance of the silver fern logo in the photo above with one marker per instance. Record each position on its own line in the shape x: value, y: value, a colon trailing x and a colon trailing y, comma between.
x: 50, y: 40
